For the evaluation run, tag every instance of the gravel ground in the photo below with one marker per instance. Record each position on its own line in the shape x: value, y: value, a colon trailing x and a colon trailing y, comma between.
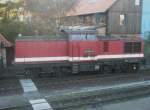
x: 11, y: 92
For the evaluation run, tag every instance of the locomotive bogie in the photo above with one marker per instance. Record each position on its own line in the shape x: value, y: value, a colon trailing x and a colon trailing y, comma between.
x: 68, y: 68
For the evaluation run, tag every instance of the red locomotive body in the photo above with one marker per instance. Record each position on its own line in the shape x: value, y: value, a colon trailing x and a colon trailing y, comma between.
x: 41, y: 51
x: 77, y: 52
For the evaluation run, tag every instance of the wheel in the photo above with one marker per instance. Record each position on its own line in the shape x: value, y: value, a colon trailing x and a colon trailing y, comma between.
x: 135, y: 67
x: 107, y: 69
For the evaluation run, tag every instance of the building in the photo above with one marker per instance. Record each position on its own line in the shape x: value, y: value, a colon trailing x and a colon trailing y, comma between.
x: 146, y: 18
x: 110, y: 17
x: 5, y: 50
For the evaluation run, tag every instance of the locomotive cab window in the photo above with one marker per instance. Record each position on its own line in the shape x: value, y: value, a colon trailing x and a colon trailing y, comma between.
x: 137, y: 47
x: 83, y: 37
x: 91, y: 37
x: 128, y: 47
x: 77, y: 37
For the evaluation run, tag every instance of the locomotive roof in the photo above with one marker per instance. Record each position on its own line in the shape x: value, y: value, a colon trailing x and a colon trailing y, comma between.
x: 118, y: 38
x: 80, y: 31
x: 44, y: 37
x: 64, y: 35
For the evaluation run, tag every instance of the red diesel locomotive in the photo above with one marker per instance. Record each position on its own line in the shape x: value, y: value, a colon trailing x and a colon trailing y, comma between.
x: 78, y: 51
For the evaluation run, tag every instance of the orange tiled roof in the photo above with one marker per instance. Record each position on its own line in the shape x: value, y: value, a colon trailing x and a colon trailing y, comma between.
x: 91, y: 6
x: 6, y: 42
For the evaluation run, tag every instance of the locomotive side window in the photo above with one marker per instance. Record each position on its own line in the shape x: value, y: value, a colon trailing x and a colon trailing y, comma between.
x: 137, y: 47
x: 91, y: 37
x: 132, y: 47
x: 105, y: 46
x: 128, y: 47
x: 78, y: 37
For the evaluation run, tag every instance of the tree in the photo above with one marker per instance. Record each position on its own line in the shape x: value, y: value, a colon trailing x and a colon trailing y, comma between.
x: 9, y: 10
x: 47, y: 14
x: 45, y: 17
x: 10, y: 26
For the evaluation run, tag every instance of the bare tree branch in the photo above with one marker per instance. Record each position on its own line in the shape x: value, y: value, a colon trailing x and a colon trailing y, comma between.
x: 47, y: 14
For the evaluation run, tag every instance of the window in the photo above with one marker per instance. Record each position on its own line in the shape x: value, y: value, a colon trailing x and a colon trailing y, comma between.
x: 137, y: 2
x: 83, y: 37
x: 123, y: 19
x: 91, y: 37
x: 88, y: 20
x: 100, y: 19
x: 106, y: 46
x: 92, y: 1
x: 137, y: 47
x: 128, y: 47
x: 78, y: 37
x: 132, y: 47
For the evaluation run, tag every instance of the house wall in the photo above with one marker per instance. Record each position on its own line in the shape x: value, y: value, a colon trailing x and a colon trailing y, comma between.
x: 84, y: 20
x: 133, y: 17
x: 70, y: 21
x: 96, y: 19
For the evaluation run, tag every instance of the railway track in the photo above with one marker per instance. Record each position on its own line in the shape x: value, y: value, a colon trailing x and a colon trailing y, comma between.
x: 90, y: 80
x: 25, y: 107
x: 97, y: 97
x: 76, y: 81
x: 46, y: 85
x: 101, y: 98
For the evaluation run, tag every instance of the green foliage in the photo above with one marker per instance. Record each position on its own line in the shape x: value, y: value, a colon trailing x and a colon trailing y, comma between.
x: 45, y: 19
x: 11, y: 29
x: 9, y: 10
x: 10, y: 26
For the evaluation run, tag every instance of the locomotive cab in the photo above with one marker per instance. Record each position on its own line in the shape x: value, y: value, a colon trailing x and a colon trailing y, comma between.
x: 82, y: 45
x: 83, y: 48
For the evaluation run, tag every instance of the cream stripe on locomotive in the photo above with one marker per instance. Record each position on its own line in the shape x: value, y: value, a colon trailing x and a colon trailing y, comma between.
x: 42, y: 59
